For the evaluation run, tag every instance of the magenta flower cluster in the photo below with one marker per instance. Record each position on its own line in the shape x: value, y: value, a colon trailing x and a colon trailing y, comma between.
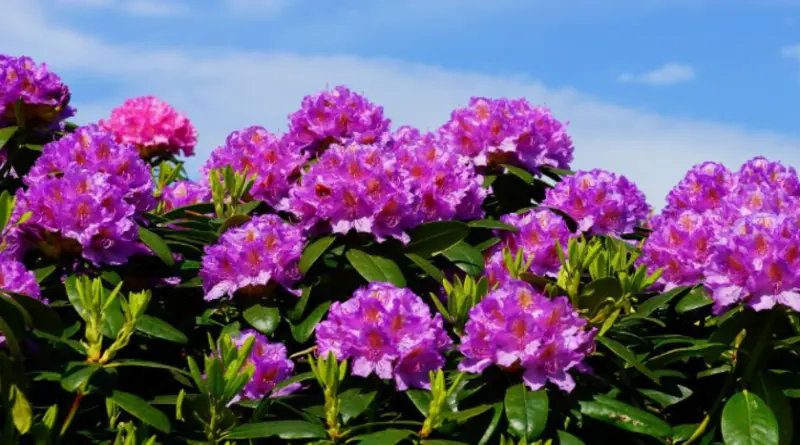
x: 44, y: 98
x: 258, y: 152
x: 337, y: 116
x: 601, y: 202
x: 14, y: 277
x: 515, y: 326
x: 253, y: 257
x: 184, y: 193
x: 153, y: 126
x: 388, y: 331
x: 271, y: 368
x: 502, y: 131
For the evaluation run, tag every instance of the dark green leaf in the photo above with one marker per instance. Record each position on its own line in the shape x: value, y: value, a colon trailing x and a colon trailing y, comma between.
x: 426, y: 266
x: 263, y: 318
x: 492, y: 427
x: 42, y: 316
x: 376, y: 268
x: 147, y: 364
x: 78, y: 376
x: 294, y: 379
x: 464, y: 415
x: 625, y: 354
x: 43, y: 273
x: 700, y: 350
x: 660, y: 301
x: 565, y: 438
x: 386, y: 437
x: 6, y: 134
x: 679, y: 394
x: 188, y: 211
x: 521, y: 173
x: 299, y: 308
x: 420, y: 399
x: 526, y: 411
x: 285, y: 429
x: 354, y: 402
x: 157, y: 245
x: 313, y: 251
x: 142, y: 410
x: 491, y: 242
x: 429, y: 239
x: 694, y: 300
x: 303, y: 331
x: 625, y: 417
x: 747, y: 420
x: 159, y: 328
x: 492, y: 224
x: 770, y: 392
x: 466, y: 257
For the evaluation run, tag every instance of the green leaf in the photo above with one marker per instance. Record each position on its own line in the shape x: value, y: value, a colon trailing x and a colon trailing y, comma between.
x: 390, y: 436
x: 464, y: 415
x: 146, y: 364
x: 188, y: 211
x: 426, y: 266
x: 376, y: 268
x: 700, y: 350
x: 78, y: 376
x: 429, y: 239
x: 157, y: 245
x: 625, y: 354
x: 353, y: 403
x: 142, y: 410
x: 747, y: 420
x: 42, y: 316
x: 159, y: 328
x: 420, y: 399
x: 770, y: 392
x: 526, y: 411
x: 492, y: 427
x: 6, y: 134
x: 21, y: 412
x: 666, y: 399
x: 466, y: 257
x: 492, y: 224
x: 43, y: 273
x: 694, y: 300
x: 313, y: 251
x: 284, y: 429
x: 303, y: 331
x: 625, y: 417
x: 299, y: 308
x: 263, y: 318
x: 565, y: 438
x: 521, y: 173
x: 660, y: 301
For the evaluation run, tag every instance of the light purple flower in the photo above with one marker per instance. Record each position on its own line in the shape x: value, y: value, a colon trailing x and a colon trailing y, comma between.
x: 271, y: 367
x: 184, y: 193
x: 704, y: 187
x: 388, y: 331
x: 45, y: 99
x: 515, y: 326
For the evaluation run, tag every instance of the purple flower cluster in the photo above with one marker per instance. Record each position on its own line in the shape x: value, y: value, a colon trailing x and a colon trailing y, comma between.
x: 388, y: 331
x: 260, y: 153
x: 539, y: 229
x: 601, y: 202
x: 183, y: 193
x: 515, y: 326
x: 250, y: 258
x: 271, y: 367
x: 703, y: 188
x: 502, y: 131
x: 336, y: 116
x: 45, y: 99
x: 14, y: 277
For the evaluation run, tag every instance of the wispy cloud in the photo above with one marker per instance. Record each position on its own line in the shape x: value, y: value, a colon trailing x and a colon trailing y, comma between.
x: 667, y: 74
x: 791, y: 51
x: 259, y: 7
x: 135, y: 7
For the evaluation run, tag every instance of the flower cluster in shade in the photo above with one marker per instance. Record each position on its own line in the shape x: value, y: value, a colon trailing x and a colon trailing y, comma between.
x: 14, y: 277
x: 335, y: 116
x: 85, y: 193
x: 388, y: 331
x: 515, y: 326
x: 271, y: 367
x: 251, y: 258
x: 601, y: 202
x: 184, y: 193
x: 503, y: 131
x: 386, y: 188
x: 732, y: 231
x: 153, y: 126
x: 538, y: 231
x: 258, y: 152
x: 44, y: 98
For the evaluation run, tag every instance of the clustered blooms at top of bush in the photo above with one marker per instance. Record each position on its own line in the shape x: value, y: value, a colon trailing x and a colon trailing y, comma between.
x: 43, y: 98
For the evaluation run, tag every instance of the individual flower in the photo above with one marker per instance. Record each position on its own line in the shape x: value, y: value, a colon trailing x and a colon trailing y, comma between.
x: 601, y: 202
x: 515, y: 326
x: 756, y: 262
x: 502, y: 131
x: 80, y: 214
x: 183, y: 193
x: 44, y: 98
x: 152, y: 126
x: 680, y: 245
x: 354, y: 187
x: 260, y: 153
x: 271, y: 367
x: 388, y: 331
x: 704, y: 187
x: 261, y: 253
x: 93, y: 150
x: 336, y: 116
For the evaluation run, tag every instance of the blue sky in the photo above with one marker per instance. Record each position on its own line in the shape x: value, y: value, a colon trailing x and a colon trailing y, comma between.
x: 650, y: 86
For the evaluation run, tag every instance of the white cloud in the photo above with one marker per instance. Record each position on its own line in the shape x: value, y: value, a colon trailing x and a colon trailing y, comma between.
x: 222, y: 92
x: 135, y: 7
x: 667, y: 74
x: 791, y: 52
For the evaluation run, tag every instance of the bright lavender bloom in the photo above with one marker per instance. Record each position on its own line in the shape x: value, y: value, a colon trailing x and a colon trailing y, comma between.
x: 516, y: 326
x: 760, y: 170
x: 502, y: 131
x: 92, y: 150
x: 260, y: 153
x: 388, y: 331
x: 271, y: 367
x: 704, y: 187
x: 45, y: 99
x: 251, y: 258
x: 756, y: 263
x: 337, y: 116
x: 354, y: 187
x: 601, y: 202
x: 183, y: 193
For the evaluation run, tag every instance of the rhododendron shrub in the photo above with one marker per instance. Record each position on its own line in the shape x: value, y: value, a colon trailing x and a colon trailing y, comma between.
x: 349, y: 281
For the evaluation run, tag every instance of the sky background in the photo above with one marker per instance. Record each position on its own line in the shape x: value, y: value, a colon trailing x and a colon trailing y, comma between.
x: 650, y: 87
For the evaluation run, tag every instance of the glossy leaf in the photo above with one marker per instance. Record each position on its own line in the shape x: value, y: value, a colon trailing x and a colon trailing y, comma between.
x: 625, y: 417
x: 263, y: 318
x: 526, y: 411
x: 305, y: 329
x: 313, y: 252
x: 466, y: 258
x: 376, y: 268
x: 142, y: 410
x: 159, y: 328
x: 747, y: 420
x: 429, y: 239
x: 390, y: 436
x: 284, y: 429
x: 625, y: 354
x: 157, y: 245
x: 353, y: 403
x: 492, y: 224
